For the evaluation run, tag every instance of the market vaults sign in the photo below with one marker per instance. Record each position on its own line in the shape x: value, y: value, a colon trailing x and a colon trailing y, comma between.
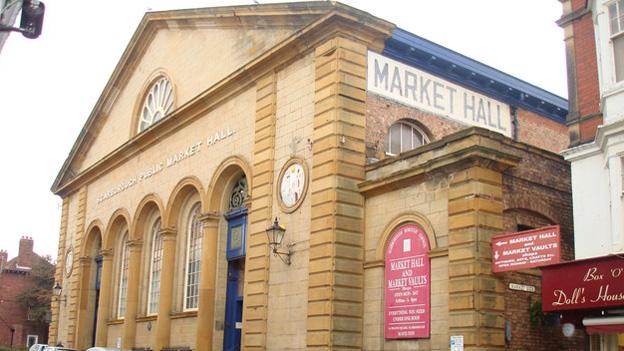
x: 416, y: 88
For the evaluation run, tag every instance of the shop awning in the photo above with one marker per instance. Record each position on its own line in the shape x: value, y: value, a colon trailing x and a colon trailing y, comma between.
x: 606, y: 325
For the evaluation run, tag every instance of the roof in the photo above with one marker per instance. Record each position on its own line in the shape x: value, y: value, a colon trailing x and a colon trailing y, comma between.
x: 415, y: 51
x: 399, y: 45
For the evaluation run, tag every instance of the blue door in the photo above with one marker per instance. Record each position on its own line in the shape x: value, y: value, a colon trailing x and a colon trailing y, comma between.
x: 237, y: 234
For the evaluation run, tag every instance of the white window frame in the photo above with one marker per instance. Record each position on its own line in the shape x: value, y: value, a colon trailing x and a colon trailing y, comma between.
x: 163, y: 103
x: 388, y: 140
x: 619, y: 34
x: 155, y: 237
x: 194, y: 209
x: 124, y: 258
x: 32, y: 336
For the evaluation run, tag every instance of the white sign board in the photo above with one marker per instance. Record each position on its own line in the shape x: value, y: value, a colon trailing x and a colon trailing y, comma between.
x: 413, y: 87
x: 457, y: 343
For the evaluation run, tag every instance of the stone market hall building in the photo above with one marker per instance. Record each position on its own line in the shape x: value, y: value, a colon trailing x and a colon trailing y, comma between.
x: 390, y: 162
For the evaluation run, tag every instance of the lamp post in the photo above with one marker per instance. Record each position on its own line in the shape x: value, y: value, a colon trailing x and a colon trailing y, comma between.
x: 56, y: 291
x: 31, y: 21
x: 275, y: 234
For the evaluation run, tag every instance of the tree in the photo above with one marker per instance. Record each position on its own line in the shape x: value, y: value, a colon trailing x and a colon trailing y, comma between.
x: 36, y: 299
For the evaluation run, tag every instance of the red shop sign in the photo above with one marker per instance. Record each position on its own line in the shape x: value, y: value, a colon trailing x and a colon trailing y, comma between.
x: 526, y: 249
x: 591, y: 283
x: 407, y: 284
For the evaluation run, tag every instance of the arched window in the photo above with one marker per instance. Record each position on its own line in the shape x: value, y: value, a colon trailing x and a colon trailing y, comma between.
x: 158, y: 103
x: 153, y: 296
x: 193, y: 259
x: 403, y: 136
x: 123, y: 276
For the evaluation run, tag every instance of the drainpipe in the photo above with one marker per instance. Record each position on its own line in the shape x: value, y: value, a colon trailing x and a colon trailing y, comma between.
x: 514, y: 122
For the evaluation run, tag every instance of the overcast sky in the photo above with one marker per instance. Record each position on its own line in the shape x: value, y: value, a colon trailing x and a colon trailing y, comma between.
x: 48, y: 86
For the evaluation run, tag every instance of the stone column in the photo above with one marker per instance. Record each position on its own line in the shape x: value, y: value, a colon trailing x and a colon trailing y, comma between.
x: 132, y: 295
x: 163, y: 324
x: 207, y: 281
x: 104, y: 303
x: 476, y: 296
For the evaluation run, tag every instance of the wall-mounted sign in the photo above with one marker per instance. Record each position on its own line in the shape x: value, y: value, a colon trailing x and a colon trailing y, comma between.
x: 521, y: 287
x: 407, y: 284
x: 527, y: 249
x: 457, y: 343
x: 591, y: 283
x: 419, y: 89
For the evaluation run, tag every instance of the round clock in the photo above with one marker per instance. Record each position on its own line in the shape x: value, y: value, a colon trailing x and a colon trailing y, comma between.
x: 69, y: 261
x: 293, y: 184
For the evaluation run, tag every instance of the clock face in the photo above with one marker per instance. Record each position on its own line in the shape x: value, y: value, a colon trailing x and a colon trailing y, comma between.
x: 293, y: 185
x: 69, y: 261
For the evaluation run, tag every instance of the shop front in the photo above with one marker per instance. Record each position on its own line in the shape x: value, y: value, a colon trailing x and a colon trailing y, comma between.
x: 588, y: 294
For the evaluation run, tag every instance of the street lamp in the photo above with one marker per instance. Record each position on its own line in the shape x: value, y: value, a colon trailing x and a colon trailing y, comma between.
x: 275, y: 234
x: 31, y: 21
x: 56, y: 291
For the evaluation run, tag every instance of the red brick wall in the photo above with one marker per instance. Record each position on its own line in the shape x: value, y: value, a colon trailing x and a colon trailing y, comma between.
x: 542, y: 132
x: 381, y: 113
x: 586, y: 75
x: 537, y: 193
x: 11, y: 284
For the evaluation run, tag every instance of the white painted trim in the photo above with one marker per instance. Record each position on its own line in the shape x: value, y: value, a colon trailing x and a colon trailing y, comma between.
x: 189, y: 228
x: 154, y: 235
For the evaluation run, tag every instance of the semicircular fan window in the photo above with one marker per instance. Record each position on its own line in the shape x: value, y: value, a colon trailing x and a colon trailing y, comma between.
x: 158, y: 103
x: 239, y: 193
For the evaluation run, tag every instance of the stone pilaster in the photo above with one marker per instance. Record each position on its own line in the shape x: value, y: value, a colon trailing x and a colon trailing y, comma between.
x: 336, y: 238
x: 55, y: 305
x: 105, y: 300
x: 82, y: 336
x: 257, y: 262
x: 207, y: 281
x: 74, y: 283
x: 163, y: 323
x: 132, y: 297
x: 476, y: 296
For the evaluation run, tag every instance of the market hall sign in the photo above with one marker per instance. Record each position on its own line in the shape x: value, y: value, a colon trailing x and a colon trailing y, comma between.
x: 419, y: 89
x: 526, y: 249
x: 407, y: 284
x: 583, y: 284
x: 170, y: 161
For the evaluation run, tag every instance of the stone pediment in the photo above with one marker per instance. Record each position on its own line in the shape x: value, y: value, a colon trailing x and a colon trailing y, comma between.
x: 196, y: 49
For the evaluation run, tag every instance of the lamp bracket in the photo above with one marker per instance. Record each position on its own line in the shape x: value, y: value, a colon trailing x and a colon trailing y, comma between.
x: 284, y: 255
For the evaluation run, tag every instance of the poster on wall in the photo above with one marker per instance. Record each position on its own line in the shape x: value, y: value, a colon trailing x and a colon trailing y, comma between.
x: 407, y: 284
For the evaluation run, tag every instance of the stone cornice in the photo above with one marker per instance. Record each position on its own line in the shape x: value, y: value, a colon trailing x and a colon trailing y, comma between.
x: 339, y: 19
x: 468, y: 147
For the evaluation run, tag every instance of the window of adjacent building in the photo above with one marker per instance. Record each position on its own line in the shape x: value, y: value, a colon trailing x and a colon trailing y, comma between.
x: 616, y: 24
x: 193, y: 259
x: 158, y: 103
x: 155, y: 268
x: 31, y: 340
x: 404, y: 136
x: 123, y: 277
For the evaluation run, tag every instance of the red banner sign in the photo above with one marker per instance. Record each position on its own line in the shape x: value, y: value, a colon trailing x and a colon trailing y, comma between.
x: 407, y: 284
x: 527, y: 249
x: 583, y: 284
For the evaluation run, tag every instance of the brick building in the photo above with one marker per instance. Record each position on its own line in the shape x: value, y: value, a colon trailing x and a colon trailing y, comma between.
x: 17, y: 328
x: 594, y: 36
x: 359, y: 137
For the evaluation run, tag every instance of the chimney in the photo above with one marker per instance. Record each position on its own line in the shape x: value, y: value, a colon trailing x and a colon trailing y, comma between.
x: 4, y: 257
x: 25, y: 251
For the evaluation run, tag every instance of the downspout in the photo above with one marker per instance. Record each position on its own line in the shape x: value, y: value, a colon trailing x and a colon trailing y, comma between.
x: 514, y: 123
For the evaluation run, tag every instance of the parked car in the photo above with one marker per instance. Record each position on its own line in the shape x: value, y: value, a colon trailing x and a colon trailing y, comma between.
x: 38, y: 347
x: 97, y: 348
x: 58, y: 348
